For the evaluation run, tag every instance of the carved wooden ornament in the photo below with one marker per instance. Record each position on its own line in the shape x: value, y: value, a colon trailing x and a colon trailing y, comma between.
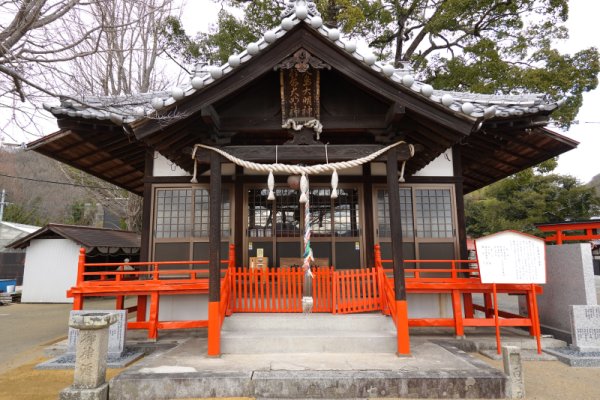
x: 300, y: 86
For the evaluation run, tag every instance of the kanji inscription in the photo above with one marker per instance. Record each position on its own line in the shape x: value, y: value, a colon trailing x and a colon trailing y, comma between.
x: 511, y: 257
x: 300, y: 86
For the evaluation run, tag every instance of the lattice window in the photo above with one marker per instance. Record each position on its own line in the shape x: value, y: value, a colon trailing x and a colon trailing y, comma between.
x: 225, y: 214
x: 202, y: 213
x: 320, y: 212
x: 177, y: 218
x: 287, y: 213
x: 347, y: 213
x: 434, y: 213
x: 173, y: 213
x: 406, y: 213
x: 260, y: 214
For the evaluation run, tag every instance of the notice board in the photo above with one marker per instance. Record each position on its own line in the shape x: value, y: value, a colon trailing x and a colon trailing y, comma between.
x: 511, y: 257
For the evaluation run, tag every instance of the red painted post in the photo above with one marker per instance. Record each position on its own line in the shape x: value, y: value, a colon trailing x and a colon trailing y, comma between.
x: 77, y: 302
x: 80, y: 266
x: 402, y: 327
x: 468, y: 304
x: 535, y: 320
x: 496, y: 320
x: 153, y: 320
x: 231, y: 256
x: 457, y: 311
x: 142, y: 301
x: 120, y: 302
x: 214, y: 329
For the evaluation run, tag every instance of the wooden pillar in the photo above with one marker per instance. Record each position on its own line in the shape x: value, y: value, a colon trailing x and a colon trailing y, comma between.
x: 368, y: 225
x: 396, y: 231
x: 147, y: 223
x: 238, y: 236
x: 146, y: 208
x: 461, y: 223
x: 460, y: 203
x: 214, y: 258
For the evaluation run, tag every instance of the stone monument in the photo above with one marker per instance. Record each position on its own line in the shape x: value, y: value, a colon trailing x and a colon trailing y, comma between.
x: 513, y: 368
x: 570, y: 281
x: 89, y: 381
x: 117, y: 332
x: 585, y: 328
x: 119, y: 355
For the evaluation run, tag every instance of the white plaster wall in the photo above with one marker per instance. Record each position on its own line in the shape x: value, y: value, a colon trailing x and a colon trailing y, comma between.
x: 441, y: 166
x: 227, y: 169
x: 429, y: 305
x: 50, y: 269
x: 163, y: 167
x: 182, y: 307
x: 195, y: 307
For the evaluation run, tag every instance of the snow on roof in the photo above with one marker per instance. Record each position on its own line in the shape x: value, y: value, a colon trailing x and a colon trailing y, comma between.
x: 126, y: 109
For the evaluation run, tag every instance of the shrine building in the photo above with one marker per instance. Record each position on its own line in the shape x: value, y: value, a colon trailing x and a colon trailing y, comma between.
x: 301, y: 133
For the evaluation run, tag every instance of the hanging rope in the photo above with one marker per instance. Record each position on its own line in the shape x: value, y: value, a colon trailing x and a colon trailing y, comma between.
x: 300, y: 169
x: 307, y: 300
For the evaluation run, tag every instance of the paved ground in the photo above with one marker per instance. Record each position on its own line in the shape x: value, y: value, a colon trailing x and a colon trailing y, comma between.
x: 25, y: 329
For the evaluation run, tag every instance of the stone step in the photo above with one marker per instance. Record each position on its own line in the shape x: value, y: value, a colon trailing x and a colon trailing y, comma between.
x: 525, y: 343
x: 308, y: 333
x: 304, y: 341
x: 432, y: 371
x: 367, y: 322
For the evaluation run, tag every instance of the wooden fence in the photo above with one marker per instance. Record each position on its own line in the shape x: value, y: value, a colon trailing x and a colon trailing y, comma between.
x: 280, y: 290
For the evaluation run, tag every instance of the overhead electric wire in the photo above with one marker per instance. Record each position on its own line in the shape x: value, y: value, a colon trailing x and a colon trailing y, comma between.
x: 54, y: 182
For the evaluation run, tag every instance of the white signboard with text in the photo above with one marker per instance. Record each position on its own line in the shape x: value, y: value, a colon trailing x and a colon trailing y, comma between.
x: 511, y: 257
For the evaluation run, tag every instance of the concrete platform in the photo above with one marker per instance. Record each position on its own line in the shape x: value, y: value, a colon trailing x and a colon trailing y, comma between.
x: 433, y: 371
x: 319, y: 356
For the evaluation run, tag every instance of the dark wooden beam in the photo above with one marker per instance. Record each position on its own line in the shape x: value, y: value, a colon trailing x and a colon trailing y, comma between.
x: 300, y: 153
x: 214, y: 247
x: 211, y: 117
x: 514, y: 138
x: 369, y: 226
x: 238, y: 228
x: 330, y: 123
x: 135, y: 177
x: 137, y: 189
x: 460, y: 203
x: 396, y: 224
x: 108, y: 147
x: 147, y: 219
x: 395, y: 114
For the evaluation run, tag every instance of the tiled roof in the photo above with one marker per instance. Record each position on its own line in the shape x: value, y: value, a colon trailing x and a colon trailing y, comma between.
x: 127, y: 109
x: 87, y: 236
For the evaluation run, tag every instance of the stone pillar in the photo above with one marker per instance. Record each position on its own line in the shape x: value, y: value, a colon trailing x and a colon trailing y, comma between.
x: 570, y: 281
x: 513, y: 368
x: 89, y: 382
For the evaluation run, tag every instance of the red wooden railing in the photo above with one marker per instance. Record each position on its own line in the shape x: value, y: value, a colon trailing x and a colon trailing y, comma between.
x: 323, y: 289
x: 148, y: 281
x: 459, y: 282
x: 356, y: 291
x: 278, y: 290
x: 281, y: 290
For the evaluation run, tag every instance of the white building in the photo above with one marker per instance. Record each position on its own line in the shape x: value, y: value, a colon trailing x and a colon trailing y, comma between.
x: 52, y: 255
